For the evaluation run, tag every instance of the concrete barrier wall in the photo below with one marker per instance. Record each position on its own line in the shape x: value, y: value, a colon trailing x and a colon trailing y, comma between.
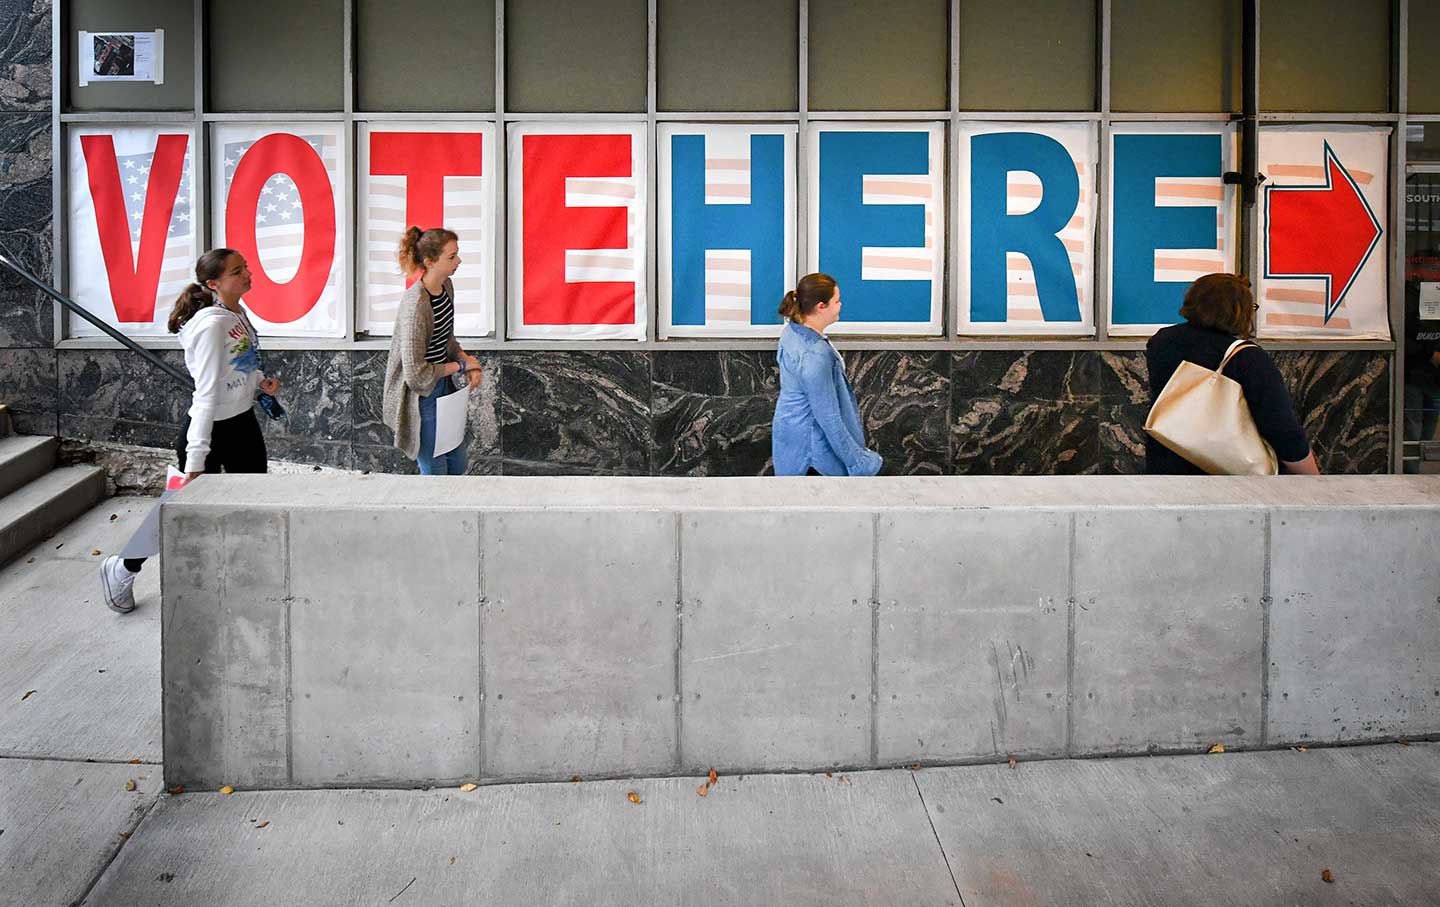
x: 385, y: 630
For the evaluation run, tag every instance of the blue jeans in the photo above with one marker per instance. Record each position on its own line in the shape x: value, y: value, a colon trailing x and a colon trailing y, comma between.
x: 447, y: 464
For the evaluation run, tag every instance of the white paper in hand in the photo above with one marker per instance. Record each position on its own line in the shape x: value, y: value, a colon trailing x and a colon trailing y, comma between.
x: 450, y: 416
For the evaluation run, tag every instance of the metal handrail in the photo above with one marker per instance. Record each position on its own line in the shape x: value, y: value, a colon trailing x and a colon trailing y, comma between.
x: 8, y: 261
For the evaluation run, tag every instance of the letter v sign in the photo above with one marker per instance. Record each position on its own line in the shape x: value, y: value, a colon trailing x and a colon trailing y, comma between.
x: 134, y: 279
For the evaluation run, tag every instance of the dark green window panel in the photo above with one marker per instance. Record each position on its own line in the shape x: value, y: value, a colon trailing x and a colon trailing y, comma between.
x: 738, y: 55
x: 282, y: 55
x: 453, y: 71
x: 1424, y: 64
x: 1176, y: 56
x: 1325, y: 55
x: 879, y: 55
x: 177, y: 17
x: 1028, y: 55
x: 576, y: 57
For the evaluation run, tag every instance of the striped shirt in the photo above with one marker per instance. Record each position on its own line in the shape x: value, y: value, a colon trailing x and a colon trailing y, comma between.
x: 444, y: 308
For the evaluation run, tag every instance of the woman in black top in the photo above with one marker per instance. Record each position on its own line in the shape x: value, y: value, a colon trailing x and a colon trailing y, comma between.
x: 1219, y: 309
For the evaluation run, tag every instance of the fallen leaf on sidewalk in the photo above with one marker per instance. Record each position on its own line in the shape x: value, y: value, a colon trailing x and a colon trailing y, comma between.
x: 452, y: 861
x: 1217, y: 748
x: 125, y: 835
x: 1403, y: 742
x: 1302, y: 749
x: 133, y: 762
x: 468, y: 787
x: 1327, y: 876
x: 176, y: 791
x: 704, y: 789
x: 94, y: 551
x: 713, y: 776
x: 262, y: 824
x: 227, y: 790
x: 633, y: 797
x: 828, y: 775
x: 845, y: 778
x: 914, y: 766
x: 28, y: 694
x: 1012, y: 761
x: 574, y: 779
x: 130, y: 785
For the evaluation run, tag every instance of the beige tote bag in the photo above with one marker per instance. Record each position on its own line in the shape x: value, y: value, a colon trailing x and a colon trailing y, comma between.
x: 1203, y: 417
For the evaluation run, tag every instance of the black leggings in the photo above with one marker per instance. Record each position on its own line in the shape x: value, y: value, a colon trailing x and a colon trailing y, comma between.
x: 236, y: 445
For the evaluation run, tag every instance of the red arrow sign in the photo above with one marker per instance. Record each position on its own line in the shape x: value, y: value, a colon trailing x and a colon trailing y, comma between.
x: 1323, y: 231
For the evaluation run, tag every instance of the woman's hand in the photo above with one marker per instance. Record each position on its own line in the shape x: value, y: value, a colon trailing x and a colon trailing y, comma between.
x: 474, y: 373
x: 270, y: 386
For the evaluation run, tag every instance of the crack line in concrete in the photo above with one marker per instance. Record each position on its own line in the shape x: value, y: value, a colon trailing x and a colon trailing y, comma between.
x: 89, y: 889
x: 943, y: 855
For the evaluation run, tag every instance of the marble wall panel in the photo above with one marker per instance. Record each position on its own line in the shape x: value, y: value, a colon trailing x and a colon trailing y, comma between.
x: 120, y: 384
x: 28, y: 389
x: 1343, y: 400
x: 316, y: 389
x: 1024, y: 412
x: 904, y: 402
x: 25, y: 55
x: 712, y: 411
x: 1124, y: 403
x: 589, y: 410
x: 26, y: 316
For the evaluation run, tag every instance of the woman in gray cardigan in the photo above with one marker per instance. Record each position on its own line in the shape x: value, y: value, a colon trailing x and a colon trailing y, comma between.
x: 423, y: 351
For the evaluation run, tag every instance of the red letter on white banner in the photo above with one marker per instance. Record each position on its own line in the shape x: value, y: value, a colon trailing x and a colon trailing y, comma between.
x: 551, y: 228
x: 291, y: 155
x: 133, y: 280
x: 425, y: 159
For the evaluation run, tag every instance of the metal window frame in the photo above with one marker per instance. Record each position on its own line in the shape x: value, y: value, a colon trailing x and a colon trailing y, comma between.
x: 199, y: 118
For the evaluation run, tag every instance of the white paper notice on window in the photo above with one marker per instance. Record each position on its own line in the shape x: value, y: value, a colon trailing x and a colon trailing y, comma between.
x: 122, y: 56
x: 450, y: 413
x: 1430, y: 302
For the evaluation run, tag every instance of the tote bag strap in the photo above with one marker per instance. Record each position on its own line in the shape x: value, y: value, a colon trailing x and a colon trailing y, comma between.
x: 1230, y: 351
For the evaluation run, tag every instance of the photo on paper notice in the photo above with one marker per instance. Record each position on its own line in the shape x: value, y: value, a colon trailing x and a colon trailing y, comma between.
x: 122, y: 56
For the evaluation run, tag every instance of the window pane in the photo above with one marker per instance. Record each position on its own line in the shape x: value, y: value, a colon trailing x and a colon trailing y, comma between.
x: 454, y: 70
x: 739, y: 55
x: 879, y: 54
x: 1309, y: 62
x: 1027, y: 55
x: 1148, y: 74
x: 276, y: 55
x: 177, y: 17
x: 576, y: 57
x: 1424, y: 72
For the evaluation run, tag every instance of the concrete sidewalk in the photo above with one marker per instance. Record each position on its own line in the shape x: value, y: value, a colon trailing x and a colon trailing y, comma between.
x: 1243, y: 828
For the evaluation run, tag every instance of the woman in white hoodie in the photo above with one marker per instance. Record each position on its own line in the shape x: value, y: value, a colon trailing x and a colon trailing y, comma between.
x: 220, y: 432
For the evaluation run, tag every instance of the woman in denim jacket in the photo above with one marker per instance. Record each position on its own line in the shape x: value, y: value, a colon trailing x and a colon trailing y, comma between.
x: 817, y: 424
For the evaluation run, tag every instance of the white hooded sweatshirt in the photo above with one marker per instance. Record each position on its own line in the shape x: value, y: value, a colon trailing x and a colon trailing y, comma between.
x: 222, y: 354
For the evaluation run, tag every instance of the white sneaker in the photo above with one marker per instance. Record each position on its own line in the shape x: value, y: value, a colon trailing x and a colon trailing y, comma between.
x: 119, y: 585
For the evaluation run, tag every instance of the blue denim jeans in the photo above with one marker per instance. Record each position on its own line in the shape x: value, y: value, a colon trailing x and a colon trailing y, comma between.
x: 447, y: 464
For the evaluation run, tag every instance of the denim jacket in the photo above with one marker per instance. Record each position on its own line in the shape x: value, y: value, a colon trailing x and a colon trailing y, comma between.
x: 817, y: 422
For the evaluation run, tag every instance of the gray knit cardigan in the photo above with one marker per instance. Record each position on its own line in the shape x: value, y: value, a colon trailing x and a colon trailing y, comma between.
x: 408, y: 376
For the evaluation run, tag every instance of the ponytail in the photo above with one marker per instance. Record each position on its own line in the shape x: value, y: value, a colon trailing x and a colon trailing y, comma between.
x: 790, y: 306
x: 191, y: 300
x: 196, y: 296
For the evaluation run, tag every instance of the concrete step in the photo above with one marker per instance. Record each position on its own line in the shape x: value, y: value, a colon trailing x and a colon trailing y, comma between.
x: 24, y: 458
x: 34, y: 511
